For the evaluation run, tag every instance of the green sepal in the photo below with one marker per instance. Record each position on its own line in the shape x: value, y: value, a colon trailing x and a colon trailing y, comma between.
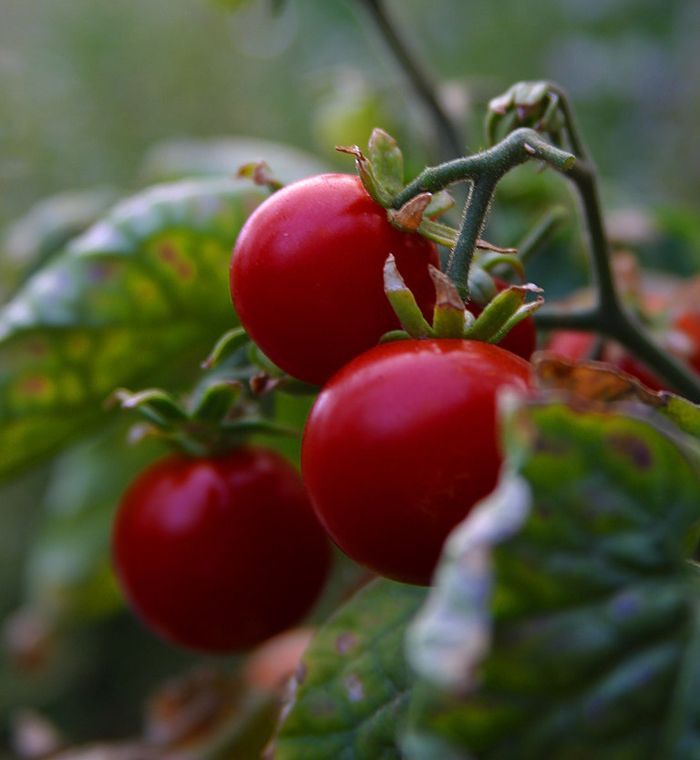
x: 403, y: 302
x: 502, y: 313
x: 489, y: 260
x: 258, y: 359
x: 226, y: 346
x: 154, y: 404
x: 449, y: 312
x: 368, y: 176
x: 439, y: 233
x: 393, y: 335
x: 387, y: 160
x: 440, y: 204
x: 246, y: 426
x: 217, y: 400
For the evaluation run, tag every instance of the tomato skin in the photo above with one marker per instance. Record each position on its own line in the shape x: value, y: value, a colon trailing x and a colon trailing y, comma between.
x: 401, y: 443
x: 219, y: 554
x: 307, y: 274
x: 577, y: 347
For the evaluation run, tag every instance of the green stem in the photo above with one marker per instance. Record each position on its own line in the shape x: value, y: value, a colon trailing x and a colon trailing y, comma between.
x: 571, y: 125
x: 583, y: 177
x: 474, y: 219
x: 518, y: 147
x: 452, y: 142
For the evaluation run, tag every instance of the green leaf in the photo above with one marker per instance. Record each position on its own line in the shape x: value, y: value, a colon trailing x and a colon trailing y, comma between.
x: 565, y: 621
x: 355, y: 682
x: 69, y: 570
x: 47, y: 227
x: 137, y: 300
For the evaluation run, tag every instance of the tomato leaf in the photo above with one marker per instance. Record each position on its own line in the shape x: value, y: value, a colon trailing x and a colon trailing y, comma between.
x: 68, y: 566
x: 137, y: 299
x: 355, y: 682
x: 565, y: 620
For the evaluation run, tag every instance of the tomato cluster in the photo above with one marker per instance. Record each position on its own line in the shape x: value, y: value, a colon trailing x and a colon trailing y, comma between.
x: 221, y: 552
x: 402, y: 439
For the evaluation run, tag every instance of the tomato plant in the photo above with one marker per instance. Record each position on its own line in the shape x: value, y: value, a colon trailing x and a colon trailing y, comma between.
x: 306, y: 274
x: 219, y: 553
x: 401, y: 443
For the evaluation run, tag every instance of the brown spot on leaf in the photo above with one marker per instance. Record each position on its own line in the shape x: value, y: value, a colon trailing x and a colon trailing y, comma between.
x: 633, y: 448
x: 345, y: 642
x: 595, y: 382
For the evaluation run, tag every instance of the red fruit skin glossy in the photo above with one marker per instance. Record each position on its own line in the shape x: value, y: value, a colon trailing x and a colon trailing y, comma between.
x: 577, y: 346
x: 219, y: 554
x: 307, y: 274
x: 401, y: 443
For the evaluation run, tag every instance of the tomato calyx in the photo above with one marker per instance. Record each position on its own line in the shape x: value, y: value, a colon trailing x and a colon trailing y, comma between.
x: 507, y: 307
x: 218, y: 416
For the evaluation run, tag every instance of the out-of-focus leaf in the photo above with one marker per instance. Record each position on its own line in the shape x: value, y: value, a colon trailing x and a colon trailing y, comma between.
x: 354, y: 680
x: 68, y: 570
x: 222, y: 157
x: 565, y: 620
x: 137, y: 300
x: 604, y: 384
x: 47, y: 227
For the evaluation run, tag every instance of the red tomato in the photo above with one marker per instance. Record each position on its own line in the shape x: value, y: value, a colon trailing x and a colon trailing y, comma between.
x: 219, y: 554
x: 307, y: 274
x: 688, y: 323
x: 578, y: 346
x: 401, y: 443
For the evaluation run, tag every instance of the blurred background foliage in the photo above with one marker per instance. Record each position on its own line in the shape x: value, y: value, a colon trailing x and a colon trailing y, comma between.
x: 93, y: 94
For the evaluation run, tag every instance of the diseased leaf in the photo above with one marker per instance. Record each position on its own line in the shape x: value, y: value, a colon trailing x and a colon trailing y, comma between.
x: 603, y: 384
x: 355, y: 682
x: 136, y: 300
x: 565, y: 621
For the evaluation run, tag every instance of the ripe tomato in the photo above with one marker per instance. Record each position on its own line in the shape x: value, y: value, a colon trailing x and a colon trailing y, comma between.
x: 577, y: 346
x: 307, y: 274
x: 218, y: 554
x: 401, y: 443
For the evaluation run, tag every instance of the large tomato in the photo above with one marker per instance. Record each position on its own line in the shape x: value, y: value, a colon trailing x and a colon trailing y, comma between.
x: 401, y: 443
x: 306, y: 274
x: 218, y: 554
